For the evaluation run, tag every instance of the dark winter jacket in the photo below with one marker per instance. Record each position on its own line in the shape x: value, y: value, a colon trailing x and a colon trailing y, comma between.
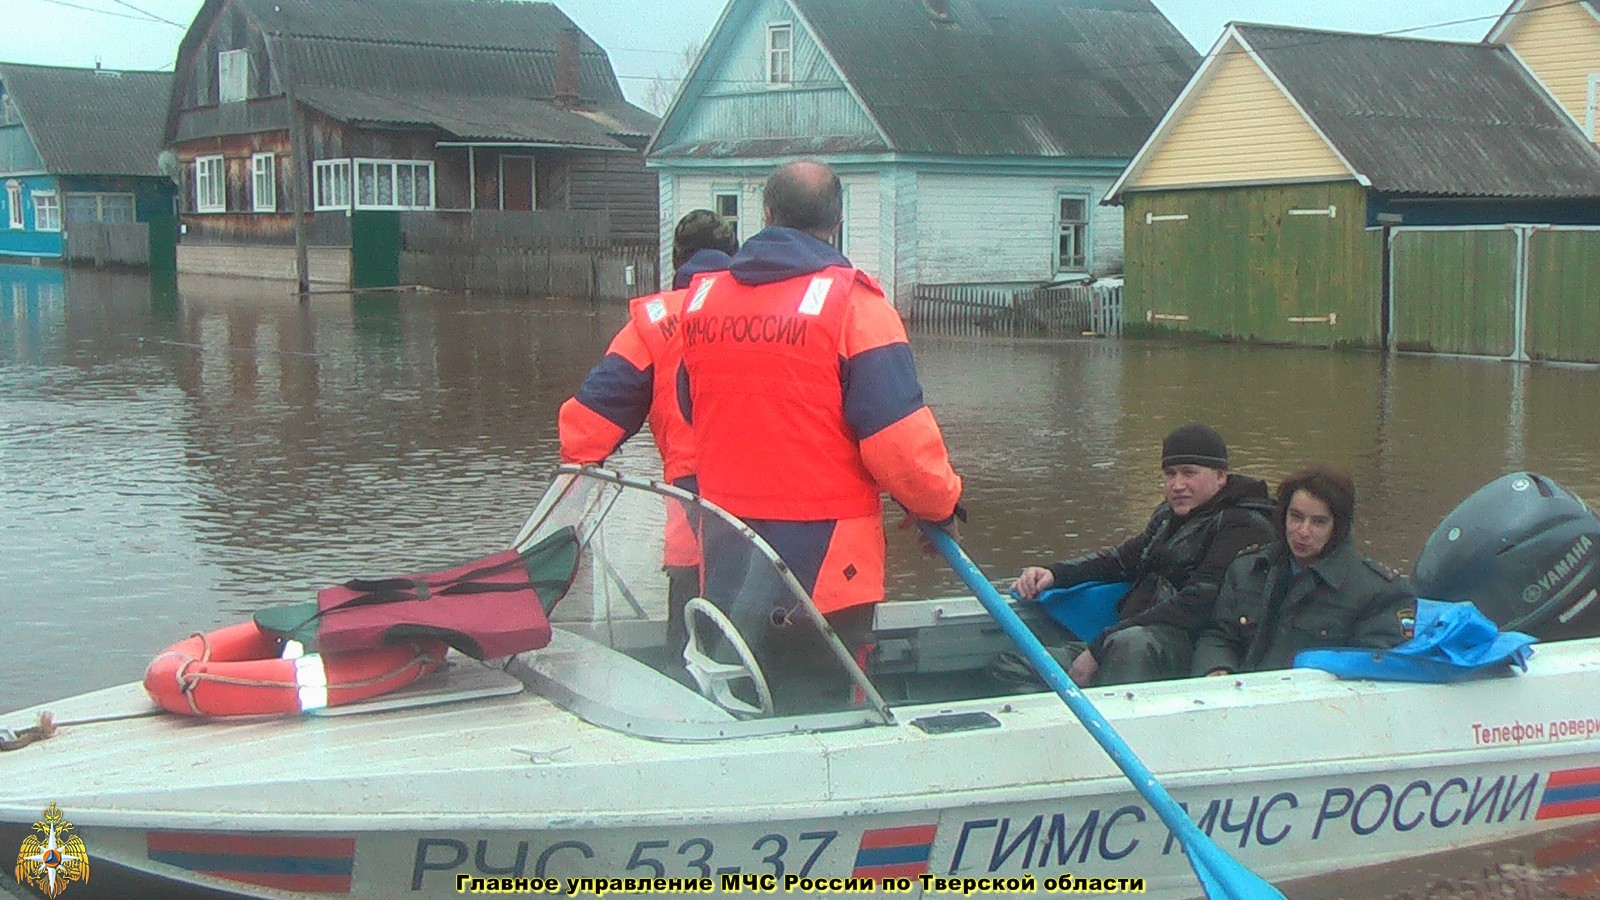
x: 1265, y: 615
x: 1176, y: 564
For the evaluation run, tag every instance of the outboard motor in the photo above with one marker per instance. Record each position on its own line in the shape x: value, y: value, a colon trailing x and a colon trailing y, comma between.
x: 1525, y: 550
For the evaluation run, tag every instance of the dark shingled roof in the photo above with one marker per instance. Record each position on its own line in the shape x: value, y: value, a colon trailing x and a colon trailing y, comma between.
x: 1428, y: 117
x: 1033, y: 78
x: 479, y: 69
x: 89, y: 121
x: 1059, y: 78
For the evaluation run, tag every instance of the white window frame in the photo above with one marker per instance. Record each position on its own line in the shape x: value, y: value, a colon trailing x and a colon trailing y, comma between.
x: 838, y: 241
x: 393, y: 166
x: 331, y: 181
x: 8, y: 111
x: 718, y: 194
x: 1591, y: 125
x: 1081, y: 239
x: 46, y: 211
x: 210, y: 185
x: 780, y: 60
x: 100, y: 198
x: 14, y: 204
x: 233, y: 76
x: 264, y: 182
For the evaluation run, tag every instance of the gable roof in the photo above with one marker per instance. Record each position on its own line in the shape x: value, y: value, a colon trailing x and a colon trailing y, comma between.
x: 478, y: 69
x: 91, y: 121
x: 1413, y: 116
x: 1519, y: 7
x: 1053, y: 78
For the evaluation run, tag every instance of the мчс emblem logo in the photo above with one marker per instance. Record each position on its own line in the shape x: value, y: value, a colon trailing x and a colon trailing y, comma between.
x: 55, y: 861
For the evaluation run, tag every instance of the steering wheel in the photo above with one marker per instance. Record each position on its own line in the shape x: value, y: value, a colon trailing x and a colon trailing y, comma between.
x: 715, y: 679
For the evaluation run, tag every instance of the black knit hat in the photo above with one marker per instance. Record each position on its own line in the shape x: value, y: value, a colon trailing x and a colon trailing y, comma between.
x: 1195, y: 445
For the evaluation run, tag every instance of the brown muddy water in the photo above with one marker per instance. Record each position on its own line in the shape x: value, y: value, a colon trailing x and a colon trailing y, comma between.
x: 172, y: 460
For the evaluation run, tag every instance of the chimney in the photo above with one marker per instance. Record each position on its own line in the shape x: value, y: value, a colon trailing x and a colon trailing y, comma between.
x: 939, y: 10
x: 567, y: 68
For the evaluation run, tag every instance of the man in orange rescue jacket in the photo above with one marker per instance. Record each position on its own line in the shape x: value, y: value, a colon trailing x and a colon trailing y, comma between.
x: 636, y: 381
x: 805, y: 405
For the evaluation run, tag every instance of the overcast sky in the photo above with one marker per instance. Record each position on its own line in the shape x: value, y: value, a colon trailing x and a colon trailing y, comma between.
x: 645, y: 38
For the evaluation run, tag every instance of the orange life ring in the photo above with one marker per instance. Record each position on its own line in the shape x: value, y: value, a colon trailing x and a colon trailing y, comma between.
x: 237, y: 671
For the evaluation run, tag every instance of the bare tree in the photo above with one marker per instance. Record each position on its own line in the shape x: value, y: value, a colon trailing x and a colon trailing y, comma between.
x: 664, y: 87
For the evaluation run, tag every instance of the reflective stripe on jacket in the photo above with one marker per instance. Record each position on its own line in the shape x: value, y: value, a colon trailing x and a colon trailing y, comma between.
x: 806, y: 408
x: 634, y: 382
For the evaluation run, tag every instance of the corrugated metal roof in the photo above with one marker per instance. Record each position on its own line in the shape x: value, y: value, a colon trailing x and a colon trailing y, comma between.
x: 509, y: 119
x: 1052, y: 78
x: 388, y: 60
x: 91, y: 121
x: 1431, y: 117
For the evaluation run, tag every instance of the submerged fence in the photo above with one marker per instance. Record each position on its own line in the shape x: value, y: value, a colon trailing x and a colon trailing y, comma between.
x: 109, y: 243
x: 1052, y: 311
x: 544, y: 254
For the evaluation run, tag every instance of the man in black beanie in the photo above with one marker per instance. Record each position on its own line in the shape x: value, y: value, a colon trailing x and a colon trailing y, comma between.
x: 1175, y: 566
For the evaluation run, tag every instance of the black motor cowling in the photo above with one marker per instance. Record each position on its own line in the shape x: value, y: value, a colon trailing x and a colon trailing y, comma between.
x: 1526, y: 551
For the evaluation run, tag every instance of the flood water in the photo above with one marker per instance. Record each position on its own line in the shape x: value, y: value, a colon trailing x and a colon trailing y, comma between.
x: 172, y: 460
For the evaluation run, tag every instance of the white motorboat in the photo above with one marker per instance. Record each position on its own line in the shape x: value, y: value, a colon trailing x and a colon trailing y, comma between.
x: 592, y: 758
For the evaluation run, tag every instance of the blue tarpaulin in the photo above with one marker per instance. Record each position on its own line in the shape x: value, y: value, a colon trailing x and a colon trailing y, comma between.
x: 1085, y: 609
x: 1452, y: 642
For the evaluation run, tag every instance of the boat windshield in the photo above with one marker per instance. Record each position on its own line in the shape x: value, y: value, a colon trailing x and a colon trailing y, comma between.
x: 680, y: 622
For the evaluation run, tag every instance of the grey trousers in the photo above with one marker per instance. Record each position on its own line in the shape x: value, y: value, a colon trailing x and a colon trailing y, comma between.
x: 1135, y: 654
x: 1145, y: 653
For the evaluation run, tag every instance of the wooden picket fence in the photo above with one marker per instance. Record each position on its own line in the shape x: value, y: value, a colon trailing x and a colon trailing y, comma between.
x: 1050, y: 311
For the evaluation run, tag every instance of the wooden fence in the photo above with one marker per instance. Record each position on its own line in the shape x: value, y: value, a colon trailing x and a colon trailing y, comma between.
x: 542, y: 254
x: 1051, y: 311
x: 109, y: 243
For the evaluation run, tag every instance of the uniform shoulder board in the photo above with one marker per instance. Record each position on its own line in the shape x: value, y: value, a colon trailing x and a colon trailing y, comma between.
x: 1384, y: 572
x: 869, y: 281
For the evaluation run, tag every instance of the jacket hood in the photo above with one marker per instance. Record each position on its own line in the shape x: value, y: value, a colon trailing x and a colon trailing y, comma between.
x: 702, y: 261
x: 1241, y: 490
x: 778, y: 254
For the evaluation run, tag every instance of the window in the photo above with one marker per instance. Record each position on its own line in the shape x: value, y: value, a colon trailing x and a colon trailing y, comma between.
x: 333, y: 184
x: 264, y: 182
x: 8, y: 111
x: 14, y: 203
x: 1072, y: 233
x: 233, y: 76
x: 393, y: 184
x: 726, y: 205
x: 209, y: 189
x: 46, y: 211
x: 844, y: 216
x: 780, y: 53
x: 1591, y: 124
x: 109, y: 208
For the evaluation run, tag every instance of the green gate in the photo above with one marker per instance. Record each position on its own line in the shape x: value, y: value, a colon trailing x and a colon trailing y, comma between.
x: 163, y: 244
x: 1563, y: 265
x: 374, y: 248
x: 1454, y: 290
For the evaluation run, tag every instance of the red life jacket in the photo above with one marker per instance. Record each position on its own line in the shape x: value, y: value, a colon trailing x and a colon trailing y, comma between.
x: 767, y: 401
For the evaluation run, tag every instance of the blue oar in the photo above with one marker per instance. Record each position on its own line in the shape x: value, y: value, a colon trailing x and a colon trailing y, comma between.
x: 1221, y: 875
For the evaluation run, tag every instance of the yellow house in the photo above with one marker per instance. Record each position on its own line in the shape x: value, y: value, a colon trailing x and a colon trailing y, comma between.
x: 1323, y: 188
x: 1559, y: 42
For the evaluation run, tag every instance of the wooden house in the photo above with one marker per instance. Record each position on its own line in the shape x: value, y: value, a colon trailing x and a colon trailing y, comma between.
x: 974, y: 138
x: 77, y: 147
x: 1324, y: 188
x: 449, y: 105
x: 1559, y: 42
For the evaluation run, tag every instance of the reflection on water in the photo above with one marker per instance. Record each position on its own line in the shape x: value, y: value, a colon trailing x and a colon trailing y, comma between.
x: 176, y: 459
